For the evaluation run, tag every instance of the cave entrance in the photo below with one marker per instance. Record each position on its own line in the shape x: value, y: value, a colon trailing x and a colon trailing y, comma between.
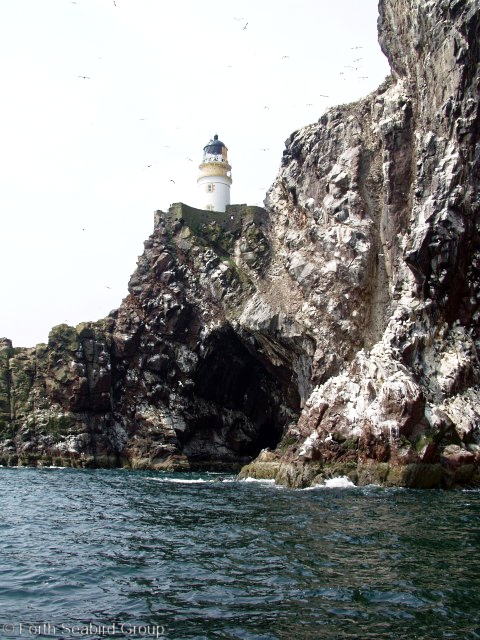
x: 239, y: 406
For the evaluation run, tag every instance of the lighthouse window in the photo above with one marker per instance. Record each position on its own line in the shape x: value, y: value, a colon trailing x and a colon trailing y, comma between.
x: 210, y: 188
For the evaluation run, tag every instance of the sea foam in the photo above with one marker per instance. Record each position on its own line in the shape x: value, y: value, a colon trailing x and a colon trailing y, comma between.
x: 341, y: 482
x: 183, y: 480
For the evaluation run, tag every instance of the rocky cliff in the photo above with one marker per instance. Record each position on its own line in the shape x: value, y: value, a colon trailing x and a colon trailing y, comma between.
x: 333, y: 332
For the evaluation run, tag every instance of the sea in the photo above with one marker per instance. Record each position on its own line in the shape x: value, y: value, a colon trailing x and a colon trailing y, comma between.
x: 141, y: 554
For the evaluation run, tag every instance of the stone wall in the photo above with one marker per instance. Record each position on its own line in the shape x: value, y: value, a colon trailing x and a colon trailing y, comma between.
x: 235, y: 216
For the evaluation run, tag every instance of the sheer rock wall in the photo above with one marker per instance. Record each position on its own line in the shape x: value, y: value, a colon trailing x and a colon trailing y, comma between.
x: 397, y: 311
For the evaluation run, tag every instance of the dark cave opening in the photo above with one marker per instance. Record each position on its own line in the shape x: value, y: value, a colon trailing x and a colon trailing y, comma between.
x: 240, y: 406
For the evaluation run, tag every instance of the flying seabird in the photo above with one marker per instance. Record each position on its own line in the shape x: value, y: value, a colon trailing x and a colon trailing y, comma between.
x: 148, y: 166
x: 85, y: 77
x: 245, y: 26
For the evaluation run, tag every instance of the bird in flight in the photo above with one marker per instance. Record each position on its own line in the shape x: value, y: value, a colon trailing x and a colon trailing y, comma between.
x: 285, y: 57
x: 323, y: 96
x: 172, y: 181
x: 246, y: 24
x: 363, y: 77
x: 264, y: 149
x: 358, y: 59
x: 189, y: 159
x: 85, y: 77
x: 356, y: 47
x: 238, y: 19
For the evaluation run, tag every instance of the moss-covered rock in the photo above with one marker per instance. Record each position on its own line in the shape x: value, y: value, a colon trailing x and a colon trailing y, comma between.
x: 6, y: 352
x: 260, y: 470
x: 415, y: 476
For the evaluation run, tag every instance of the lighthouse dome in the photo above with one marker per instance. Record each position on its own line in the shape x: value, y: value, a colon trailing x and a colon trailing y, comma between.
x: 214, y: 147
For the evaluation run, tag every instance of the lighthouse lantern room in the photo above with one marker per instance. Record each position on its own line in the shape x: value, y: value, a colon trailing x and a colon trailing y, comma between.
x: 215, y: 177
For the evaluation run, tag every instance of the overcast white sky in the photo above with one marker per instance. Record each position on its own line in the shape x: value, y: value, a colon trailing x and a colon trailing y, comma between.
x: 77, y: 192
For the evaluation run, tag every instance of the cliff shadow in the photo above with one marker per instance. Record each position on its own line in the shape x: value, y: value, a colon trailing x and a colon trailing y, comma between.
x: 239, y: 407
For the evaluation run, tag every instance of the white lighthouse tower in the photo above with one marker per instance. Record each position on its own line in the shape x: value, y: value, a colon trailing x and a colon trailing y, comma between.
x: 215, y: 177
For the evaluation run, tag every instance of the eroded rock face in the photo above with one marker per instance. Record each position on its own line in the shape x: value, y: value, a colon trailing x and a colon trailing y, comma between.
x: 335, y: 331
x: 401, y: 168
x: 170, y: 380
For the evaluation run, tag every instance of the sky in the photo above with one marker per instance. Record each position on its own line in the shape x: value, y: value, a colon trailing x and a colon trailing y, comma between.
x: 106, y: 107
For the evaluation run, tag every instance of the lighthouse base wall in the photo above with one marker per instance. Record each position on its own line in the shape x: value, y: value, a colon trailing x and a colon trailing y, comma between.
x: 232, y: 219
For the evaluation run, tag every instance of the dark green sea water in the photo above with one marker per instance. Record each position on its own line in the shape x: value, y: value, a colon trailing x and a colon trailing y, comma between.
x: 94, y: 554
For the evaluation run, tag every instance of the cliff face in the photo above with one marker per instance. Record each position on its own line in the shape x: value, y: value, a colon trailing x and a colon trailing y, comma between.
x: 169, y: 380
x: 334, y: 332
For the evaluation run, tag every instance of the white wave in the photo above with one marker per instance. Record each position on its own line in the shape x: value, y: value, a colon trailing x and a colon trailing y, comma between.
x: 183, y: 480
x: 340, y: 482
x: 261, y: 480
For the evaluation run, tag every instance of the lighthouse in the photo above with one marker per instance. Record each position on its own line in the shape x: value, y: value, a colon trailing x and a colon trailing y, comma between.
x: 215, y: 177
